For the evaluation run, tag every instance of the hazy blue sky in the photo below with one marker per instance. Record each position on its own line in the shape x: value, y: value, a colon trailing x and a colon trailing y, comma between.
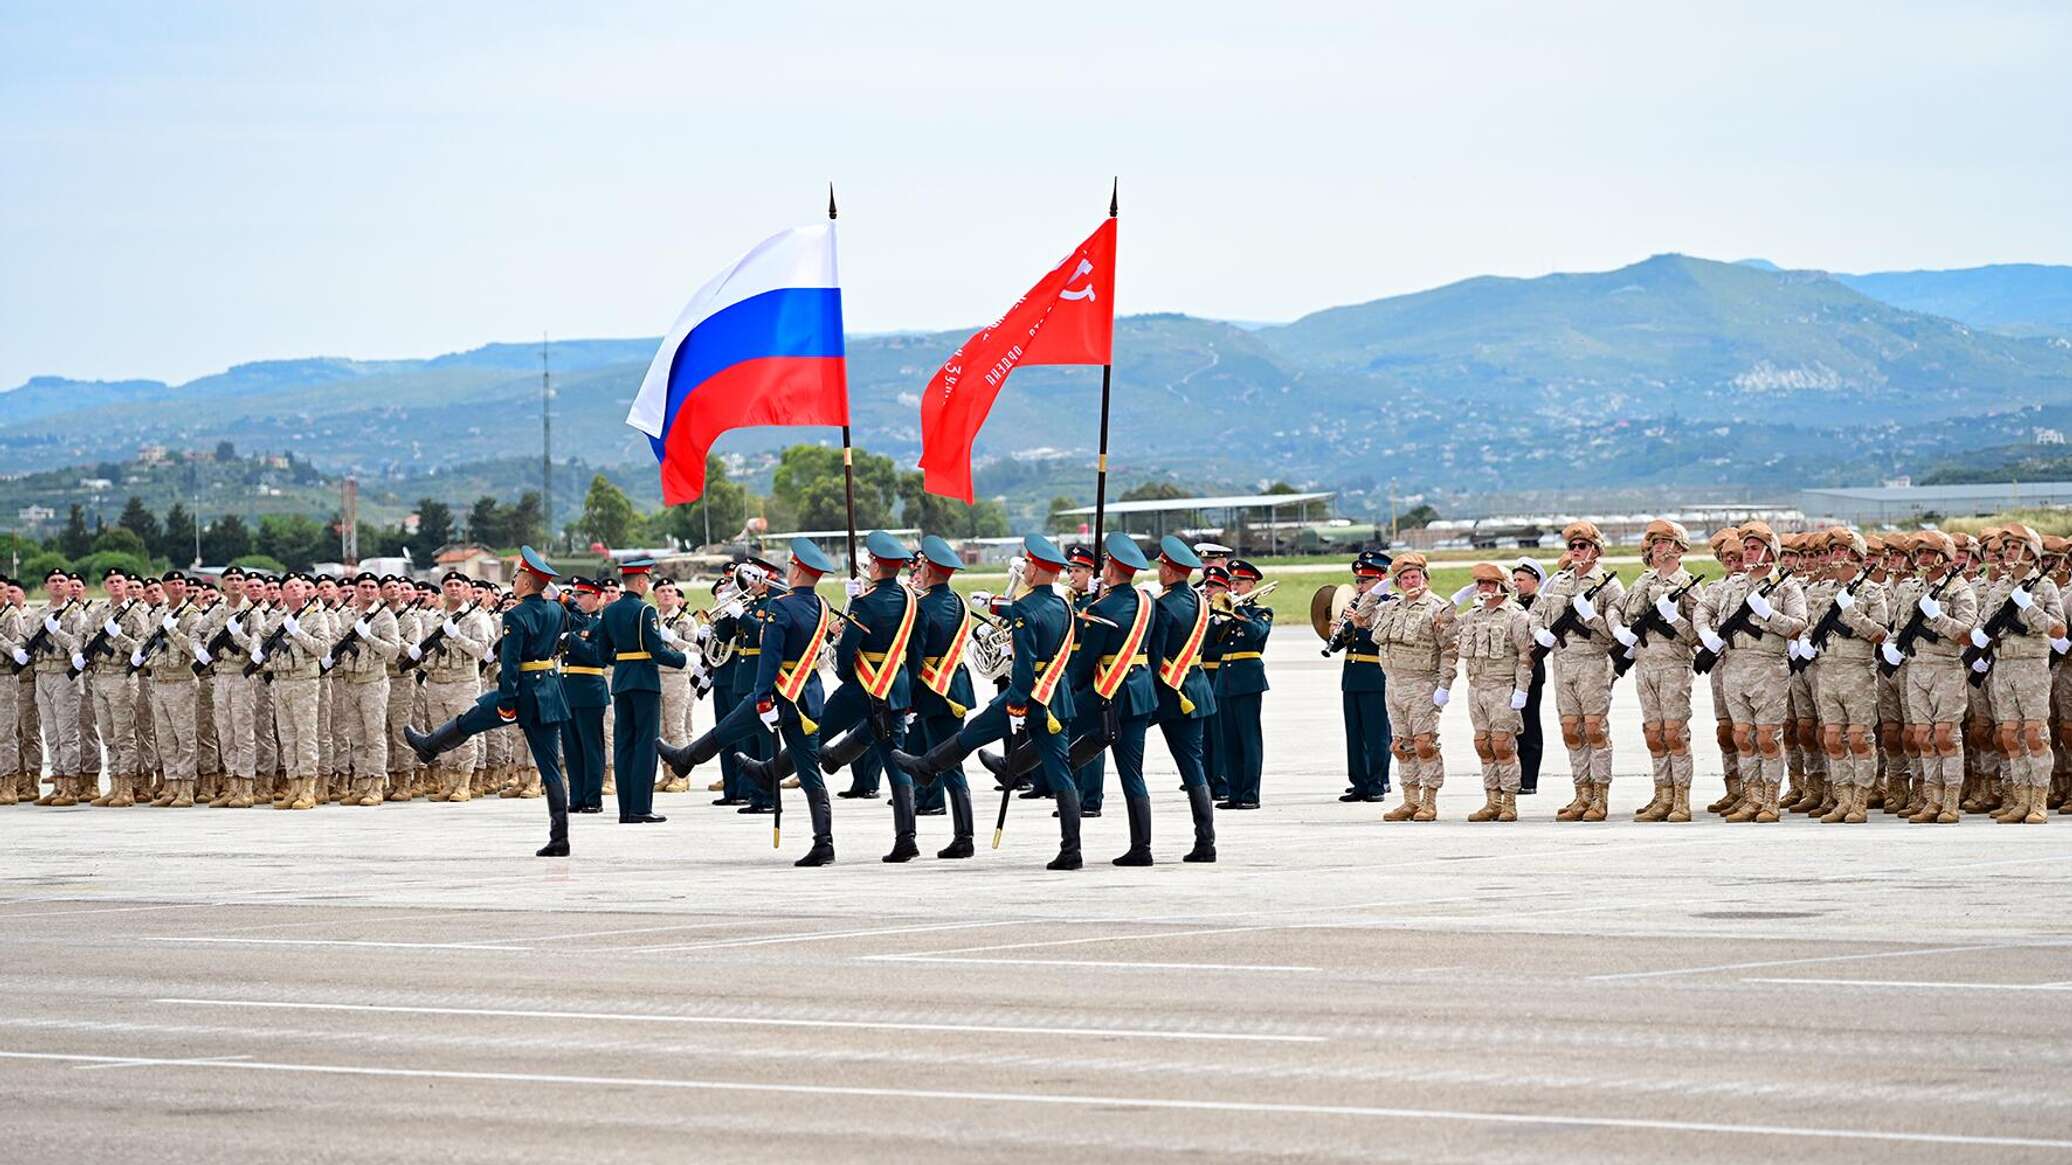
x: 187, y: 186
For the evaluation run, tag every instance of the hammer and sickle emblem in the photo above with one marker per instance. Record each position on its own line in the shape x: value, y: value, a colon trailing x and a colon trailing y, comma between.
x: 1087, y: 292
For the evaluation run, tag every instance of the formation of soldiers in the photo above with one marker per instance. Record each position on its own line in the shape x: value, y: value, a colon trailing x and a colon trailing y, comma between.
x: 1918, y: 673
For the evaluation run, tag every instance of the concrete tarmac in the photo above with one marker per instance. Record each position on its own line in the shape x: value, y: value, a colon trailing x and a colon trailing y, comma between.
x: 409, y: 983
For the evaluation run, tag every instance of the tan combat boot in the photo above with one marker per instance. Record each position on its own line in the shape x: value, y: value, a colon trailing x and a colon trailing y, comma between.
x: 240, y: 793
x: 1726, y: 804
x: 1597, y: 808
x: 2039, y: 811
x: 1949, y: 814
x: 1574, y: 810
x: 226, y: 792
x: 1769, y: 813
x: 1507, y: 807
x: 64, y: 792
x: 2013, y: 808
x: 184, y: 797
x: 1427, y: 805
x: 1658, y: 809
x: 1751, y: 803
x: 8, y: 793
x: 1408, y: 808
x: 718, y: 786
x: 305, y: 794
x: 1679, y: 805
x: 100, y: 800
x: 57, y: 789
x: 1492, y: 804
x: 1839, y: 811
x: 1926, y: 804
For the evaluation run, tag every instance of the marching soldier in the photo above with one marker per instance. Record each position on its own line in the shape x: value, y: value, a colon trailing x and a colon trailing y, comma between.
x: 786, y: 695
x: 219, y: 664
x: 1363, y: 688
x: 587, y: 694
x: 1241, y: 687
x: 2019, y: 673
x: 1420, y: 646
x: 358, y: 669
x: 1114, y: 674
x: 1805, y: 555
x: 1495, y: 642
x: 400, y: 598
x: 1662, y: 603
x: 872, y: 660
x: 54, y: 645
x: 1753, y: 618
x: 265, y: 740
x: 607, y: 594
x: 629, y: 637
x: 725, y: 629
x: 1186, y: 700
x: 208, y: 754
x: 1035, y: 707
x: 1985, y: 764
x: 528, y: 694
x: 1944, y: 610
x: 171, y: 686
x: 1851, y: 613
x: 1082, y: 567
x: 748, y: 650
x: 942, y: 692
x: 1582, y: 668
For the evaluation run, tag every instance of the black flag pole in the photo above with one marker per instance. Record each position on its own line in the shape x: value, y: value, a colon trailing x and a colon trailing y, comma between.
x: 1107, y: 380
x: 848, y: 457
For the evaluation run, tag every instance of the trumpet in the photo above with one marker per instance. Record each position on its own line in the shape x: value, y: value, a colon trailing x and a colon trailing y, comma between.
x: 1226, y: 604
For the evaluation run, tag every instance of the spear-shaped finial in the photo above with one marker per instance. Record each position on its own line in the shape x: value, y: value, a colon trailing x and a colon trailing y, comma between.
x: 1113, y: 191
x: 830, y: 200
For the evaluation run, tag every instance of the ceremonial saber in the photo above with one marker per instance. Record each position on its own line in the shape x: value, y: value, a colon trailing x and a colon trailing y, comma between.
x: 776, y: 796
x: 1007, y: 790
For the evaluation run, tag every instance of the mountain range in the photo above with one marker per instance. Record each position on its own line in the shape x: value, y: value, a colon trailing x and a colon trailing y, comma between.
x: 1673, y: 373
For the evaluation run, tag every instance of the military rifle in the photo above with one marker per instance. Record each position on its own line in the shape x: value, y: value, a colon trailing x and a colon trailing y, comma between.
x: 348, y: 643
x: 1742, y: 622
x: 273, y: 640
x: 157, y: 638
x: 1570, y: 622
x: 1651, y: 623
x: 1902, y: 649
x: 2005, y: 621
x: 42, y: 637
x: 430, y: 643
x: 98, y: 645
x: 218, y: 642
x: 1830, y: 624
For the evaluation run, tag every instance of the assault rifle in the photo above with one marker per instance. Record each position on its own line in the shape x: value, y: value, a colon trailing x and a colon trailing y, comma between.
x: 1830, y: 624
x: 348, y: 643
x: 1741, y: 622
x: 156, y: 639
x: 1651, y: 623
x: 430, y: 643
x: 1569, y: 622
x: 219, y: 641
x: 272, y: 642
x: 42, y: 636
x: 1900, y: 650
x: 1978, y: 658
x: 98, y: 645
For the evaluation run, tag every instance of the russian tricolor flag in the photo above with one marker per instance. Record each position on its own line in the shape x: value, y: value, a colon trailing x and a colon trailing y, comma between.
x: 761, y: 344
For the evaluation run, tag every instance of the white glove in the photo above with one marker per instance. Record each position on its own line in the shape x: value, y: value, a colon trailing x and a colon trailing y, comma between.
x: 1014, y: 723
x: 982, y: 600
x: 852, y: 587
x: 111, y: 628
x: 258, y: 655
x: 1805, y: 646
x: 1543, y: 637
x: 1585, y: 608
x: 1844, y: 600
x: 1891, y: 654
x: 1982, y: 664
x: 360, y: 626
x: 20, y: 656
x: 414, y: 650
x: 1930, y: 607
x: 703, y: 634
x: 1791, y: 649
x: 1094, y: 587
x: 1667, y: 610
x: 326, y: 662
x: 667, y: 636
x: 202, y: 654
x: 1713, y: 643
x: 1760, y: 605
x: 1626, y: 638
x: 1463, y: 595
x: 50, y: 624
x: 136, y: 659
x: 1517, y: 700
x: 1978, y: 638
x: 2061, y: 646
x: 293, y: 624
x: 236, y: 628
x: 78, y: 662
x: 769, y: 718
x: 450, y: 627
x: 2021, y: 599
x: 1440, y: 696
x: 169, y: 623
x: 911, y: 719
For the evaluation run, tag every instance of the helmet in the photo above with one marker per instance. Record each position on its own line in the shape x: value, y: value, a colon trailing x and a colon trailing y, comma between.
x: 1582, y: 532
x: 1664, y: 530
x: 1937, y: 541
x: 2026, y: 536
x: 1843, y: 538
x: 1724, y: 540
x: 1761, y: 532
x: 1490, y: 572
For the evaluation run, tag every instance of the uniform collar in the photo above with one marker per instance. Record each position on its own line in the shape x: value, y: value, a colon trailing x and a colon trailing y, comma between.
x: 800, y: 591
x: 939, y: 588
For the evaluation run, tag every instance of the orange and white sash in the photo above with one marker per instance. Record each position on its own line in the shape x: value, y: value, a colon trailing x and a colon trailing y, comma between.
x: 1173, y: 672
x: 1054, y: 669
x: 936, y: 677
x: 878, y: 682
x: 792, y: 676
x: 1109, y: 674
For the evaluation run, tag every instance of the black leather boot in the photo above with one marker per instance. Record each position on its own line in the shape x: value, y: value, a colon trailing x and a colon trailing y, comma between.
x: 1068, y: 830
x: 682, y: 758
x: 823, y: 851
x: 837, y: 755
x: 1019, y: 762
x: 960, y: 822
x: 428, y: 745
x: 931, y: 764
x: 903, y: 848
x: 766, y: 773
x: 1139, y: 853
x: 1204, y: 825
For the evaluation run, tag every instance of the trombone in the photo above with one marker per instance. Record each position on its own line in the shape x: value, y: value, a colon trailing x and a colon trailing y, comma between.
x: 1226, y: 604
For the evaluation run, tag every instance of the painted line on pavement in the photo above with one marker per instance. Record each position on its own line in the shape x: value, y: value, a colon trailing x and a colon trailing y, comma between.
x: 1081, y: 1101
x: 1090, y: 963
x: 760, y: 1021
x: 1800, y: 962
x: 1920, y: 984
x: 329, y: 942
x: 810, y: 937
x: 109, y: 910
